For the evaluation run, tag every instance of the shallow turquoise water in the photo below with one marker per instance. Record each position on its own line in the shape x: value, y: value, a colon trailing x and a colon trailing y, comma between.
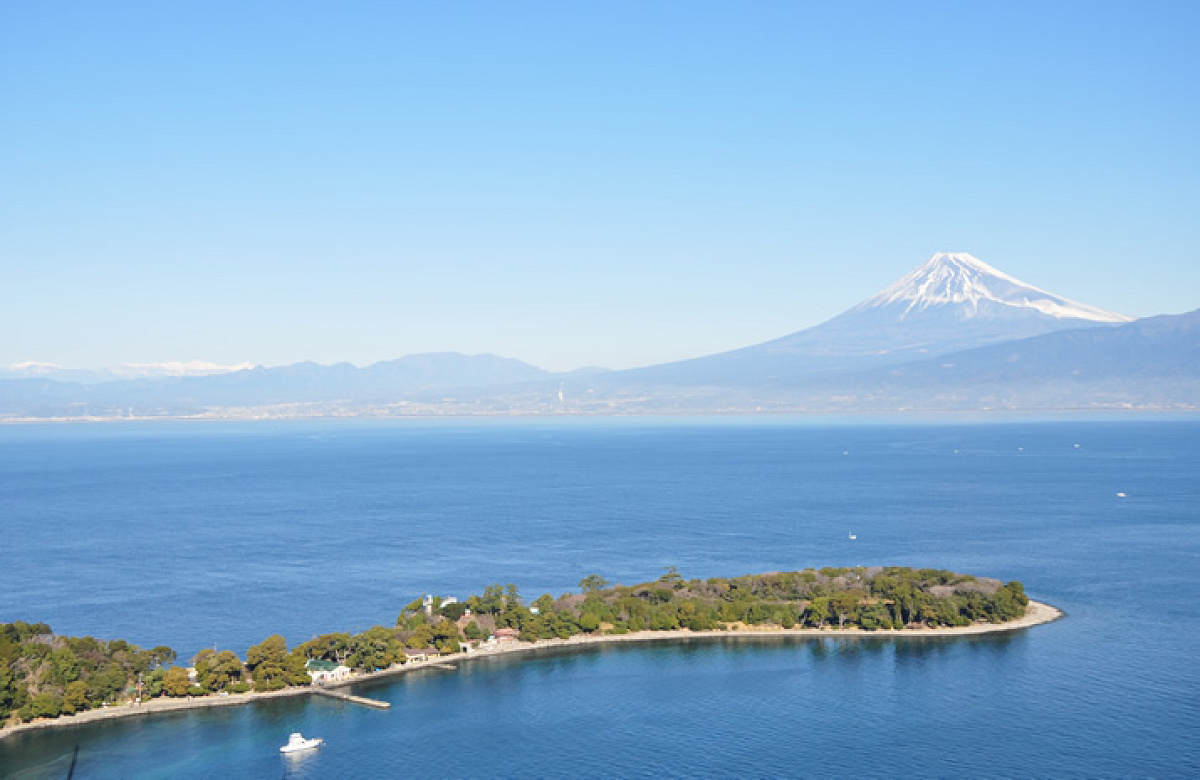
x: 194, y: 535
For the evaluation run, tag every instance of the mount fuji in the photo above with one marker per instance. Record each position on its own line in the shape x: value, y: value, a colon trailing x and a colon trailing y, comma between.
x: 952, y: 302
x: 969, y: 289
x: 954, y: 334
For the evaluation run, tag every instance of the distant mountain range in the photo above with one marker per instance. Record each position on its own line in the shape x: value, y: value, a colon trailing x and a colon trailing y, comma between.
x: 1152, y: 363
x: 123, y: 371
x: 953, y: 334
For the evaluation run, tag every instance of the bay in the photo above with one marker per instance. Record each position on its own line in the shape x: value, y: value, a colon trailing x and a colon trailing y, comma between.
x: 196, y: 535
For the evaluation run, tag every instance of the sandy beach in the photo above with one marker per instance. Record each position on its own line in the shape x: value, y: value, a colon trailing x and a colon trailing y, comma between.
x: 1036, y: 613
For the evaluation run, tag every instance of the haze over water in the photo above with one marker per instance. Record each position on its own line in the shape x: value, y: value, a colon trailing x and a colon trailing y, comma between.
x: 191, y: 535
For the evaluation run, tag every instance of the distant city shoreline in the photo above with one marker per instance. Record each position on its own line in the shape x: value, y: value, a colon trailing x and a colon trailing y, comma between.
x: 1103, y: 413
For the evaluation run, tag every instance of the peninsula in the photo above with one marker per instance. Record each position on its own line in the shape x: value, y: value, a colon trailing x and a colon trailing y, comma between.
x: 48, y: 680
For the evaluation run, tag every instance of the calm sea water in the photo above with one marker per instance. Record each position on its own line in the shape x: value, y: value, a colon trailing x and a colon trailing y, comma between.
x: 203, y: 534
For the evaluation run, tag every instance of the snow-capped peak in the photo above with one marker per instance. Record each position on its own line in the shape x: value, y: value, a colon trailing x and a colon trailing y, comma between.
x: 976, y: 289
x: 35, y: 367
x: 176, y: 368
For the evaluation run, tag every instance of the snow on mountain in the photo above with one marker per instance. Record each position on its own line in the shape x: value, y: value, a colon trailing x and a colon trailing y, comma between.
x: 952, y: 302
x: 123, y: 371
x: 176, y: 368
x: 975, y: 289
x: 35, y: 368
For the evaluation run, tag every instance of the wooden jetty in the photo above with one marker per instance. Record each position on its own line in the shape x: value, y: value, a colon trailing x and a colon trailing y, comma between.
x: 363, y: 700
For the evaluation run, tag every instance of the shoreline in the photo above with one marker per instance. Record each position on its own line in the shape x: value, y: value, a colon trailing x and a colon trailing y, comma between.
x: 1020, y: 415
x: 1036, y: 613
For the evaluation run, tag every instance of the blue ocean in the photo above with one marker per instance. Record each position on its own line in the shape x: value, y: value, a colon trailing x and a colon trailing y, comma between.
x: 219, y: 534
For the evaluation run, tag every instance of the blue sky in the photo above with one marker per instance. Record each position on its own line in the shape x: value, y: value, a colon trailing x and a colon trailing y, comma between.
x: 572, y: 184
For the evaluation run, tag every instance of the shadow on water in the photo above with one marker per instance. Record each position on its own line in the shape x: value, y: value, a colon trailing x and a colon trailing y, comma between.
x: 680, y: 653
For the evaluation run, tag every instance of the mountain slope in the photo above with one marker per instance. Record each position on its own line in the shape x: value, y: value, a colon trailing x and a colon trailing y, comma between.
x: 1153, y: 362
x: 950, y: 303
x: 412, y: 376
x: 974, y: 290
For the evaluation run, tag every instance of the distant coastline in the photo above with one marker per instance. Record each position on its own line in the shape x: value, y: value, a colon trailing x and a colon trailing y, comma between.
x: 1036, y: 613
x: 1099, y: 413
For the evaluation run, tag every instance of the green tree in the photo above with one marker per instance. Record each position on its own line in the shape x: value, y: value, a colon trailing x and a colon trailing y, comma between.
x: 328, y: 647
x: 446, y: 637
x: 421, y: 638
x: 64, y: 666
x: 661, y: 595
x: 663, y: 620
x: 413, y: 608
x: 593, y: 583
x: 1008, y: 603
x: 905, y: 602
x: 268, y: 664
x: 873, y: 616
x: 589, y: 622
x: 271, y: 650
x: 161, y: 656
x: 817, y: 612
x: 375, y: 648
x: 154, y: 682
x: 490, y: 603
x: 8, y: 687
x: 75, y: 697
x: 561, y: 624
x: 296, y: 669
x: 107, y: 683
x: 695, y: 616
x: 844, y: 604
x: 44, y: 705
x: 215, y: 670
x: 514, y: 615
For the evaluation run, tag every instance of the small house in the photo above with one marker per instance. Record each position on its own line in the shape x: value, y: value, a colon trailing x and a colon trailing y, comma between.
x: 322, y: 671
x: 507, y: 634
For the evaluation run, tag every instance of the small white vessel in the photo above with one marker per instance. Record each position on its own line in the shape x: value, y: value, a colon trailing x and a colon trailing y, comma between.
x: 853, y: 536
x: 1120, y: 495
x: 297, y: 742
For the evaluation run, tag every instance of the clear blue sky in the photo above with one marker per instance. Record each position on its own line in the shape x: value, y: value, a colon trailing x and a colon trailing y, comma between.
x: 571, y: 183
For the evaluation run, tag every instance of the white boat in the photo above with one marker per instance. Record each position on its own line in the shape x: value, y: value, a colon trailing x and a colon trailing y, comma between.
x: 853, y: 536
x: 297, y: 742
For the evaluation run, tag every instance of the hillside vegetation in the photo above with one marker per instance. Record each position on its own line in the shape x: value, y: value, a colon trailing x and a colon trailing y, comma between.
x: 43, y: 675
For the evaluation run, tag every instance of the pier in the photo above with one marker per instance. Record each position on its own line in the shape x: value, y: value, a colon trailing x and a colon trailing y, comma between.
x: 363, y: 700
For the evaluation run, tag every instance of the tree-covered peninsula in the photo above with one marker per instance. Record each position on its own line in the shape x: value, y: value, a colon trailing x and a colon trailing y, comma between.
x: 43, y: 675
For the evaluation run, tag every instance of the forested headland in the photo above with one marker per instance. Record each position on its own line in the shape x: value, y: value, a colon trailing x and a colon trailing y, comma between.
x: 44, y: 675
